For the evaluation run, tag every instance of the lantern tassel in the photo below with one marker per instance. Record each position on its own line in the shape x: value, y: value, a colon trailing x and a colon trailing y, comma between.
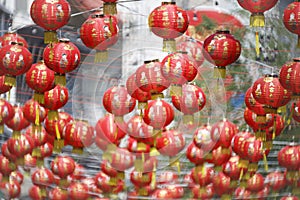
x: 53, y: 115
x: 10, y: 80
x: 257, y: 20
x: 188, y: 119
x: 176, y: 90
x: 274, y: 129
x: 101, y: 56
x: 257, y: 44
x: 153, y: 181
x: 110, y: 8
x: 1, y: 129
x: 57, y: 132
x: 60, y: 79
x: 266, y: 163
x: 39, y: 97
x: 169, y: 45
x: 50, y: 36
x: 37, y: 115
x: 219, y: 72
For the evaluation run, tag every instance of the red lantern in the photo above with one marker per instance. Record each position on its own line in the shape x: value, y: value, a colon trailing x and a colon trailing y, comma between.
x: 222, y: 185
x: 5, y: 152
x: 255, y: 183
x: 33, y: 112
x: 55, y: 99
x: 222, y: 49
x: 242, y: 193
x: 135, y: 92
x: 139, y: 179
x: 178, y: 68
x: 109, y: 131
x: 58, y: 194
x: 268, y: 90
x: 202, y: 175
x: 159, y: 114
x: 10, y: 189
x: 168, y: 21
x: 251, y: 119
x: 203, y: 140
x: 206, y: 192
x: 255, y: 107
x: 99, y: 32
x: 15, y: 60
x: 161, y: 194
x: 10, y: 38
x: 62, y: 57
x: 43, y: 178
x: 257, y: 9
x: 149, y: 78
x: 18, y: 122
x: 39, y: 136
x: 121, y: 160
x: 16, y: 176
x: 79, y: 134
x: 191, y: 101
x: 103, y: 182
x: 276, y: 129
x: 63, y: 166
x: 7, y: 113
x: 50, y: 15
x: 112, y: 172
x: 117, y: 101
x: 288, y: 76
x: 78, y: 191
x: 141, y: 152
x: 289, y: 157
x: 6, y: 167
x: 195, y: 155
x: 231, y: 168
x: 167, y: 178
x: 170, y: 143
x: 35, y: 193
x: 110, y: 7
x: 3, y: 87
x: 219, y: 156
x: 291, y: 18
x: 177, y: 192
x: 276, y: 180
x: 193, y: 48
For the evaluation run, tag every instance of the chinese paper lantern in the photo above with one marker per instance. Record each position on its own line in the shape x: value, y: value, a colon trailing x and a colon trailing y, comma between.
x: 257, y: 9
x: 63, y: 166
x: 290, y: 18
x: 113, y: 173
x: 78, y: 191
x: 3, y: 87
x: 43, y: 178
x: 121, y: 160
x: 110, y: 7
x: 18, y: 122
x: 15, y: 60
x: 288, y: 77
x: 41, y: 79
x: 7, y: 113
x: 167, y: 177
x: 103, y: 182
x: 39, y: 136
x: 218, y: 157
x: 94, y: 191
x: 195, y: 155
x: 206, y: 192
x: 61, y: 57
x: 35, y: 193
x: 79, y: 172
x: 177, y: 192
x: 10, y: 38
x: 117, y: 101
x: 268, y: 90
x: 276, y: 180
x: 10, y: 189
x: 202, y: 175
x: 191, y: 101
x: 149, y: 78
x: 5, y: 152
x: 135, y: 92
x: 231, y: 168
x: 140, y: 181
x: 159, y: 114
x: 50, y: 15
x: 193, y: 48
x: 162, y: 194
x: 6, y: 168
x: 178, y: 68
x: 255, y: 183
x: 222, y: 185
x: 99, y: 32
x: 202, y: 138
x: 55, y: 99
x: 58, y: 194
x: 16, y: 176
x: 168, y: 21
x: 221, y: 49
x: 33, y: 112
x: 255, y: 107
x: 79, y: 134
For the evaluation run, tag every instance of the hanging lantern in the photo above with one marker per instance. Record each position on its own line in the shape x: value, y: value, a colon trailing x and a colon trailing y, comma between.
x: 63, y: 166
x: 167, y: 178
x: 7, y: 113
x: 276, y: 180
x: 255, y: 183
x: 39, y: 136
x: 202, y: 175
x: 202, y: 139
x: 194, y: 49
x: 34, y: 113
x: 135, y: 92
x: 206, y: 192
x: 50, y: 15
x: 58, y: 194
x: 16, y: 60
x: 161, y: 194
x: 6, y: 168
x: 178, y: 68
x: 288, y: 77
x: 121, y: 160
x: 10, y: 38
x: 177, y: 192
x: 94, y: 191
x: 223, y: 186
x: 79, y: 134
x: 5, y: 152
x: 255, y: 107
x: 291, y: 18
x: 218, y: 157
x: 10, y: 189
x: 140, y: 181
x: 149, y: 78
x: 242, y: 193
x: 110, y: 7
x: 35, y: 193
x: 117, y: 101
x: 3, y: 87
x: 159, y: 114
x: 78, y: 191
x: 42, y: 177
x: 100, y: 32
x: 168, y: 21
x: 41, y: 79
x: 18, y: 122
x: 268, y: 91
x: 195, y: 155
x: 191, y: 101
x: 16, y: 176
x: 55, y: 99
x: 61, y: 57
x: 115, y: 174
x: 79, y: 172
x: 231, y: 168
x: 289, y: 157
x: 221, y: 49
x: 103, y: 182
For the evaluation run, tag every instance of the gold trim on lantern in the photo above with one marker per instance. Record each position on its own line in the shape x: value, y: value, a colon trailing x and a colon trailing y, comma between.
x: 154, y: 152
x: 157, y: 96
x: 268, y: 144
x: 1, y: 129
x: 261, y: 135
x: 142, y: 105
x: 50, y: 37
x: 261, y: 118
x: 119, y: 119
x: 110, y: 8
x: 174, y: 162
x: 16, y: 135
x: 270, y: 110
x: 10, y: 80
x: 138, y: 165
x: 20, y: 161
x: 169, y: 45
x: 40, y: 163
x: 219, y: 72
x: 36, y: 152
x: 58, y: 145
x: 253, y: 167
x: 101, y: 56
x: 143, y: 192
x: 257, y: 20
x: 112, y: 181
x: 226, y: 197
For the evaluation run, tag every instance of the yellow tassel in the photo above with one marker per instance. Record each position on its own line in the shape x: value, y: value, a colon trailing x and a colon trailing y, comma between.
x: 10, y: 80
x: 266, y: 163
x: 169, y: 45
x: 274, y: 128
x: 60, y: 79
x: 8, y: 96
x: 78, y: 151
x: 241, y: 174
x: 157, y: 96
x: 37, y: 115
x: 57, y: 132
x: 50, y: 37
x: 153, y: 181
x: 138, y: 165
x: 257, y: 20
x: 176, y: 90
x: 219, y: 72
x: 257, y: 49
x: 1, y: 128
x: 101, y: 56
x: 39, y: 97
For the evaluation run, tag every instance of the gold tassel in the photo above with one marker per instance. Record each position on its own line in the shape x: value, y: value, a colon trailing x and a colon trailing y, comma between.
x: 261, y: 118
x: 157, y: 96
x: 1, y: 129
x: 16, y: 134
x: 10, y: 80
x: 274, y: 128
x: 169, y: 45
x: 176, y: 90
x: 112, y: 181
x: 257, y: 49
x: 257, y: 20
x: 121, y: 175
x: 60, y: 79
x: 53, y: 115
x: 40, y: 163
x: 57, y: 132
x: 50, y: 37
x: 37, y: 115
x: 138, y: 165
x: 8, y: 96
x: 39, y: 97
x: 119, y: 119
x: 266, y: 163
x: 142, y: 105
x: 101, y: 56
x: 78, y: 151
x: 219, y: 72
x: 153, y: 181
x: 36, y: 152
x: 110, y: 8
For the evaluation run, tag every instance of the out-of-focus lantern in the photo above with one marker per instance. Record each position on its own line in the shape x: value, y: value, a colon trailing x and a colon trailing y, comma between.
x: 193, y: 48
x: 288, y: 76
x: 34, y: 113
x: 78, y: 191
x: 110, y: 7
x: 168, y: 21
x: 255, y: 183
x: 18, y: 122
x: 58, y: 194
x: 63, y: 166
x: 10, y: 189
x: 50, y: 15
x: 43, y: 178
x: 291, y: 18
x: 10, y: 38
x: 3, y: 87
x: 7, y: 113
x: 255, y: 107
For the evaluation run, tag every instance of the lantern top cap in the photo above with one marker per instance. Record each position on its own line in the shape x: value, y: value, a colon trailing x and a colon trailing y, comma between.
x: 271, y: 75
x: 168, y: 3
x: 296, y: 59
x: 97, y: 15
x: 223, y: 31
x: 150, y: 61
x: 64, y: 40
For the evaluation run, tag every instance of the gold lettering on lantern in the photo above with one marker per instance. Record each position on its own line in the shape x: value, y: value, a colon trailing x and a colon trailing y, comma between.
x: 44, y: 11
x: 225, y: 49
x: 44, y: 77
x: 68, y: 47
x: 166, y: 141
x: 60, y: 13
x: 258, y: 90
x: 32, y: 75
